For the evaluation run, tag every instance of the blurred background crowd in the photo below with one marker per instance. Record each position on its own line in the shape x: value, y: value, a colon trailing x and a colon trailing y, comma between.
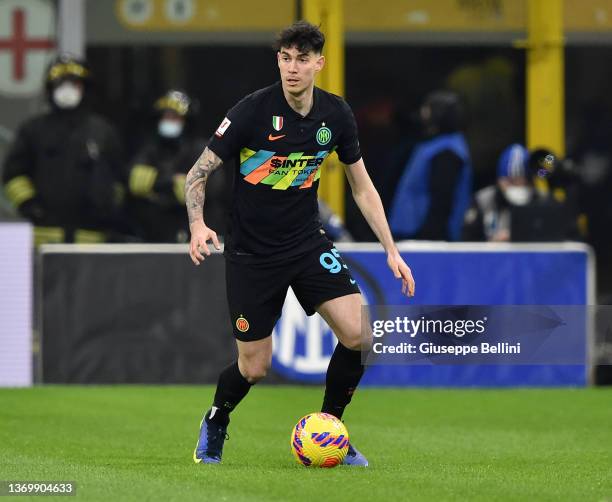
x: 102, y: 154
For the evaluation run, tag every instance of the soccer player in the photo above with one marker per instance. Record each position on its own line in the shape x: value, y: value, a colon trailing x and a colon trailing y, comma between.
x: 282, y: 134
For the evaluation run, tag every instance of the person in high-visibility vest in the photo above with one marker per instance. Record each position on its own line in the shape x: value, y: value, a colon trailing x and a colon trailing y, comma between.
x: 435, y: 189
x: 63, y: 172
x: 156, y: 179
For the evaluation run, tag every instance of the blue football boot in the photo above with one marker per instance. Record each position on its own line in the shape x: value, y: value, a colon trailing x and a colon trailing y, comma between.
x: 355, y: 458
x: 210, y: 444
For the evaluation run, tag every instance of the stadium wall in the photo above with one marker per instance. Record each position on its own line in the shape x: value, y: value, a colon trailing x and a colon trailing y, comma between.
x: 145, y: 314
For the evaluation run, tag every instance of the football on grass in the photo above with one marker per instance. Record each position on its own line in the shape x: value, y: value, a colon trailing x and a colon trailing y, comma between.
x: 319, y: 440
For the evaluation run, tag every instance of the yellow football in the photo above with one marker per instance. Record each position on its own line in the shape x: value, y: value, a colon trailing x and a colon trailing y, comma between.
x: 319, y: 440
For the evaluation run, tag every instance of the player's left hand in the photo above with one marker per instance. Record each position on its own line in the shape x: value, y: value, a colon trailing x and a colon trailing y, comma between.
x: 401, y: 271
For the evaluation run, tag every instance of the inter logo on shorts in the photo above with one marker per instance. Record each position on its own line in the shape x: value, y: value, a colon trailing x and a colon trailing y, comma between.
x: 242, y: 324
x: 277, y: 122
x: 324, y: 134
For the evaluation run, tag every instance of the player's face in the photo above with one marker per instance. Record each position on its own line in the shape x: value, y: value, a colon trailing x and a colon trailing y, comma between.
x: 298, y: 69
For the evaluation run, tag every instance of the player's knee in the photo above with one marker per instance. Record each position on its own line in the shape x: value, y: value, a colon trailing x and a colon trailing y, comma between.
x: 255, y: 374
x: 355, y: 337
x: 356, y: 340
x: 254, y: 371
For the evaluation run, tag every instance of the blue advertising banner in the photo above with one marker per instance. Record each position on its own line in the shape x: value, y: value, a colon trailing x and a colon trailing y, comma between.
x: 460, y: 275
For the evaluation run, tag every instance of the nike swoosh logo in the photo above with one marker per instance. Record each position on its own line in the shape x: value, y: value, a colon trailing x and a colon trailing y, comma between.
x: 353, y: 281
x: 274, y: 138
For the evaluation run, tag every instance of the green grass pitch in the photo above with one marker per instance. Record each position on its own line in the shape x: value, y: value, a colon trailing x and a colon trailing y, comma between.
x: 136, y: 443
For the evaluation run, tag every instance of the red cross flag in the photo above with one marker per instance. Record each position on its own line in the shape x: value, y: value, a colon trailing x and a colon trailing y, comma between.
x: 27, y: 40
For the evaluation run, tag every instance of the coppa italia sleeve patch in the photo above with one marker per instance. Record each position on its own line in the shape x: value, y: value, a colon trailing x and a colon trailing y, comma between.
x: 223, y: 127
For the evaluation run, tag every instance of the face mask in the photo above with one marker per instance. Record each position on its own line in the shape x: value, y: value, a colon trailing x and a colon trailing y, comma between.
x: 170, y: 128
x: 517, y: 196
x: 67, y: 96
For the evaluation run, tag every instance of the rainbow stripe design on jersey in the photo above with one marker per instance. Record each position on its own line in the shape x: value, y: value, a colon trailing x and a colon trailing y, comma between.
x: 281, y: 172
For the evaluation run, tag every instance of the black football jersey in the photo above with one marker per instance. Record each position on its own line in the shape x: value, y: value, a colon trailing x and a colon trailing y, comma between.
x: 274, y: 210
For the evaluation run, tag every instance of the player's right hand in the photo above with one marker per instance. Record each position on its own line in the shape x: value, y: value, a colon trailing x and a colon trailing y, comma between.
x: 198, y: 247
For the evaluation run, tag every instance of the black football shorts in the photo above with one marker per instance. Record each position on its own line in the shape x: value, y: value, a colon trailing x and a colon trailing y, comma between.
x: 256, y: 290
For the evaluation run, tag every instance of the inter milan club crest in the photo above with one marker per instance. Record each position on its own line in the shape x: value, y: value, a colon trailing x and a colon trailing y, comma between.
x: 277, y: 122
x: 242, y: 324
x: 324, y: 134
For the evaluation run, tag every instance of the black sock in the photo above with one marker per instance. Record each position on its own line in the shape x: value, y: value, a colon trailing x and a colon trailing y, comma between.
x: 231, y: 389
x: 343, y: 375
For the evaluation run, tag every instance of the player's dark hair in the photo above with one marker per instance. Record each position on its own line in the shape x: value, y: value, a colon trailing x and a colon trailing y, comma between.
x: 302, y: 35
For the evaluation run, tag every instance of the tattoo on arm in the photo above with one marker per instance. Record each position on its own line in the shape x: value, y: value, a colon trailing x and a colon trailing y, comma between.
x: 195, y: 183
